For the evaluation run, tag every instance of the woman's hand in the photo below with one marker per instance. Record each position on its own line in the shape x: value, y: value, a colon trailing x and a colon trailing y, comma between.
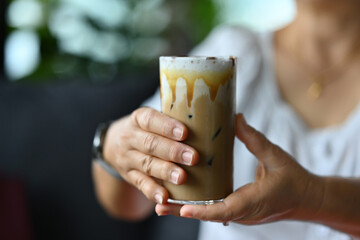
x: 144, y: 148
x: 282, y: 188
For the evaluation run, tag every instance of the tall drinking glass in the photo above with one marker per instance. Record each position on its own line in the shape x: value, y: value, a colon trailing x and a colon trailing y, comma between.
x: 200, y: 92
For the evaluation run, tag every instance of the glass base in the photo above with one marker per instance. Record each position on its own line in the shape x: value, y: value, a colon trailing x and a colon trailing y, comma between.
x: 186, y: 202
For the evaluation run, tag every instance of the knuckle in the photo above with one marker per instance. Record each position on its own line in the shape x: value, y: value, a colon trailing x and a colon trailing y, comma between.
x: 277, y: 151
x: 140, y: 183
x: 122, y: 162
x: 252, y: 138
x: 146, y: 164
x: 135, y: 114
x: 146, y: 118
x: 123, y: 138
x: 148, y: 189
x: 150, y: 143
x: 174, y: 151
x: 229, y: 213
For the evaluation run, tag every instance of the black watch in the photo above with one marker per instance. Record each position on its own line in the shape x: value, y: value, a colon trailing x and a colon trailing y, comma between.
x: 97, y: 150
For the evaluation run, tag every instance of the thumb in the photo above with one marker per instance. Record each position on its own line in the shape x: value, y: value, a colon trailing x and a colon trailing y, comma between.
x: 265, y: 151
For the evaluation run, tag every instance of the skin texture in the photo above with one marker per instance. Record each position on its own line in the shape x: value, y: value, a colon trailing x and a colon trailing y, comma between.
x: 145, y: 146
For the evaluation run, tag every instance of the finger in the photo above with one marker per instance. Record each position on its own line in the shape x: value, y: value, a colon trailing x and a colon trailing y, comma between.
x: 153, y: 121
x: 235, y: 206
x: 148, y: 186
x: 164, y: 148
x: 218, y: 212
x: 156, y: 167
x: 267, y: 152
x: 168, y: 209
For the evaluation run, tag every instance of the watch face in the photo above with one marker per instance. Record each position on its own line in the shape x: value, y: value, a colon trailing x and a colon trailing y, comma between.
x: 96, y: 146
x: 97, y: 141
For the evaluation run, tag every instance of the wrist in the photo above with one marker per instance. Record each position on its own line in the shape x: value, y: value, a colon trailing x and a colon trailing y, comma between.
x: 312, y: 199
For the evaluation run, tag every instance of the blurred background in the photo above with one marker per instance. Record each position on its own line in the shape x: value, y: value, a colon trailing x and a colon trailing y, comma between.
x: 96, y: 41
x: 67, y: 65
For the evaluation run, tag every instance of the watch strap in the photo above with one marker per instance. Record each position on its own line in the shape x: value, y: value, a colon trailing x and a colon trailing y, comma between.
x: 97, y: 150
x: 108, y: 168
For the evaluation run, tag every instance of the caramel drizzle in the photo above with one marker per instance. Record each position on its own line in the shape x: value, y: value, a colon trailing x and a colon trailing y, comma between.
x: 211, y: 78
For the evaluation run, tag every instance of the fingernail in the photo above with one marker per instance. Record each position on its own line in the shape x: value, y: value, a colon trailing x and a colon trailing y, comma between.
x: 178, y: 133
x: 174, y: 177
x: 187, y: 158
x: 186, y: 214
x: 158, y: 198
x: 162, y: 214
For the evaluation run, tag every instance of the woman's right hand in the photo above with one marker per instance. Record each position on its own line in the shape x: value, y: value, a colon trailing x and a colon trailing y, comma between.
x: 146, y: 147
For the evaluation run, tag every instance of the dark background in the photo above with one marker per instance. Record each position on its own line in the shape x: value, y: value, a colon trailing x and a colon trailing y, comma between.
x: 48, y: 118
x: 46, y: 132
x: 46, y: 137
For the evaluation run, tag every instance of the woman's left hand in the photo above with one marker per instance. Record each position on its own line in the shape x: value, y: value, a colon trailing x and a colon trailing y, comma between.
x: 282, y: 188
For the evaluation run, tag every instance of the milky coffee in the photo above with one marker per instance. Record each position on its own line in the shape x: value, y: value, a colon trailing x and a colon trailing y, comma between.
x: 200, y: 92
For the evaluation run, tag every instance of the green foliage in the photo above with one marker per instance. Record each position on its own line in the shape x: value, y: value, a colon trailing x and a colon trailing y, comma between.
x: 202, y: 18
x: 190, y: 21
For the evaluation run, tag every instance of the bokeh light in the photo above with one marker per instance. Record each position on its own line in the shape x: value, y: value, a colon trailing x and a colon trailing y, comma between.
x: 22, y: 53
x: 25, y: 14
x: 258, y: 15
x: 70, y: 37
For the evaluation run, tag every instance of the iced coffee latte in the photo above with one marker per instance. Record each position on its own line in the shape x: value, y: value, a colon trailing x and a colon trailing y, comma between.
x: 200, y: 92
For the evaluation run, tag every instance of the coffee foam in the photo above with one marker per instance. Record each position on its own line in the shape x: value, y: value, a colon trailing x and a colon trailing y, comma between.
x: 192, y: 77
x: 198, y: 63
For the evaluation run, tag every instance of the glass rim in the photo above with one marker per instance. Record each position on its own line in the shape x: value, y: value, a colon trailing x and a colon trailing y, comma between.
x: 209, y: 58
x: 198, y: 202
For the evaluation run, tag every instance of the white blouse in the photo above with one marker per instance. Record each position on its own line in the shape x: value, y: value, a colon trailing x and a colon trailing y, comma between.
x: 328, y: 152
